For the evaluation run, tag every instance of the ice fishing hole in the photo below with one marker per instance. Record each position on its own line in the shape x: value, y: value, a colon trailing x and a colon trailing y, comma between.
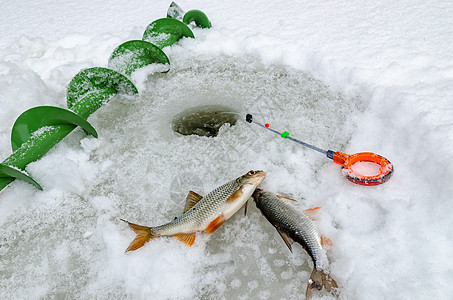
x: 204, y: 120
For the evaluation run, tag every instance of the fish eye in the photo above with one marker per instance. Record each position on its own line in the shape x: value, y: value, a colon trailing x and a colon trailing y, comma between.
x: 251, y: 173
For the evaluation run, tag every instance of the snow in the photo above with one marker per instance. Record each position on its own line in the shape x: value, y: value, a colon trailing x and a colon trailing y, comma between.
x: 351, y: 76
x: 365, y: 168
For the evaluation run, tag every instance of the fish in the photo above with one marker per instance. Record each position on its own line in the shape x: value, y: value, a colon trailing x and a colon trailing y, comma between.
x: 295, y: 225
x: 206, y: 213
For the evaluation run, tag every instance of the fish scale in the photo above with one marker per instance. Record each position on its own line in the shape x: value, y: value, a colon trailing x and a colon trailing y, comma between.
x: 289, y: 219
x: 195, y: 218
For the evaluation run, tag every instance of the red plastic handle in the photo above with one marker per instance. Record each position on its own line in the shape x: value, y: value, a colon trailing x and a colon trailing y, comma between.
x: 347, y: 161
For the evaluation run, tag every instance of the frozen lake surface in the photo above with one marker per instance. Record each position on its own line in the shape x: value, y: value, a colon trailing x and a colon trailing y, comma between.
x: 346, y: 76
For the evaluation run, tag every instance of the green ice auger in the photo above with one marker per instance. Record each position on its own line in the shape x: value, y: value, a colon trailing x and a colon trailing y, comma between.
x: 40, y: 128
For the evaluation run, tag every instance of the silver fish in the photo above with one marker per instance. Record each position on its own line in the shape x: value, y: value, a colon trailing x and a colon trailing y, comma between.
x: 202, y: 213
x: 294, y: 225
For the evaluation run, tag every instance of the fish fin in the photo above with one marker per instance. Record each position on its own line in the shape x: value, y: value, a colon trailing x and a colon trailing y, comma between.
x: 236, y: 195
x: 285, y: 198
x: 318, y: 281
x: 144, y: 234
x: 187, y: 238
x: 288, y: 240
x: 214, y: 225
x: 326, y: 242
x: 192, y: 199
x: 312, y: 212
x: 245, y: 207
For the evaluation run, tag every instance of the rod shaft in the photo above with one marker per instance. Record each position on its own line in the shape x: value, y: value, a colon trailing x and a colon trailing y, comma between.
x: 325, y: 152
x: 308, y: 145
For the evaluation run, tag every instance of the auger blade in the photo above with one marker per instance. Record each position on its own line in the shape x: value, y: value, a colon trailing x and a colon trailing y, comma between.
x: 133, y: 55
x: 165, y: 32
x: 198, y: 17
x: 8, y: 172
x: 95, y: 80
x: 42, y: 116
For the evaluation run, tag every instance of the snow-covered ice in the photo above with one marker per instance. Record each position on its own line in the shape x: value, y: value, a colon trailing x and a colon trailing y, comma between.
x: 348, y: 75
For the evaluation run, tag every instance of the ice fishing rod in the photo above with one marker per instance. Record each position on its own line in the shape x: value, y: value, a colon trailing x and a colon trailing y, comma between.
x: 364, y: 168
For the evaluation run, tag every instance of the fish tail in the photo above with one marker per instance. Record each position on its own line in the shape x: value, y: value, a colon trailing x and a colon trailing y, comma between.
x: 144, y: 234
x: 318, y: 281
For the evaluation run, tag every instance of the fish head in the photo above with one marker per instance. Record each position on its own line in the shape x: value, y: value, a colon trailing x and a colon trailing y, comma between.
x: 252, y: 178
x: 259, y: 195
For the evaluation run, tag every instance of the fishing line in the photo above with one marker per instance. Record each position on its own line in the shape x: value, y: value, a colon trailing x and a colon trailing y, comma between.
x: 364, y: 168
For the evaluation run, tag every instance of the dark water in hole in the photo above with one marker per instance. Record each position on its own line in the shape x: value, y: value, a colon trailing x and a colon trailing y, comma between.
x: 203, y: 120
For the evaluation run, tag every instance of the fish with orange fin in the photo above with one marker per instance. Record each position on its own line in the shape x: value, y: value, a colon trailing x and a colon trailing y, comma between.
x: 294, y: 225
x: 206, y: 213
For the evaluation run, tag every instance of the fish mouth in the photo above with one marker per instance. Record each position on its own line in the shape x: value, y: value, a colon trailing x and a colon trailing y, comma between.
x: 259, y: 177
x: 261, y: 173
x: 256, y: 194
